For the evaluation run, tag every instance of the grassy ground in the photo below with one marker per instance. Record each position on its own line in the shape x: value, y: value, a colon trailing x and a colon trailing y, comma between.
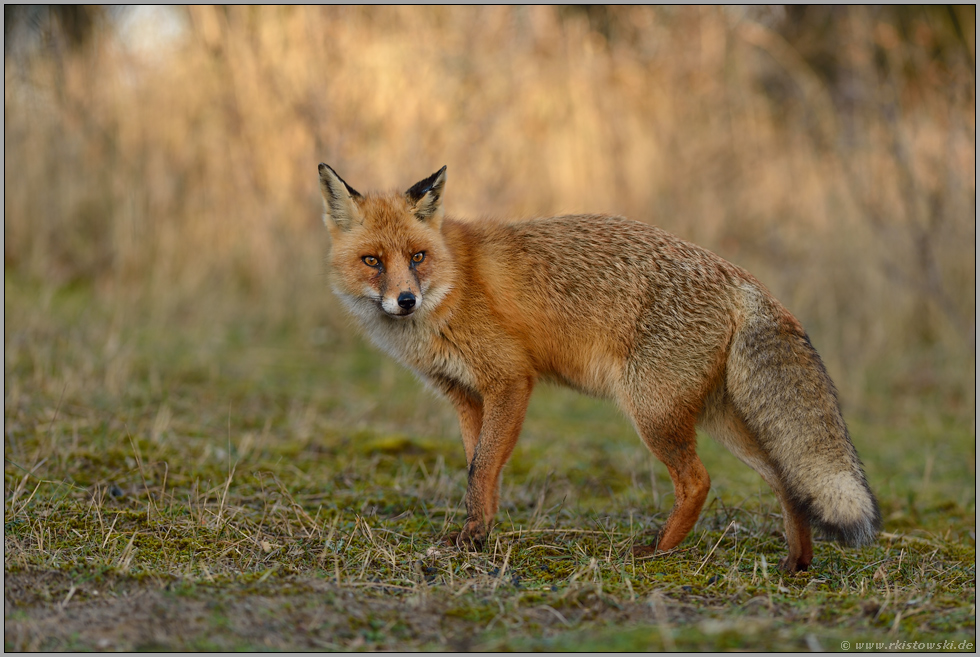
x: 221, y: 485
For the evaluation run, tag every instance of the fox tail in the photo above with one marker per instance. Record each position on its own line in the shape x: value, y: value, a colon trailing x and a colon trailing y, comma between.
x: 781, y: 390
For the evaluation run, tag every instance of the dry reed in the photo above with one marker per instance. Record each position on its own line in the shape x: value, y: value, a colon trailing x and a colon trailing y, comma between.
x: 833, y: 154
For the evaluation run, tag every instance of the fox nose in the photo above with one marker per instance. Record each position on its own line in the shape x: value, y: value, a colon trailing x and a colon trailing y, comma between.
x: 406, y: 300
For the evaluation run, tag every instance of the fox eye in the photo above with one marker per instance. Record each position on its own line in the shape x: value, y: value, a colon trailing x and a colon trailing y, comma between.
x: 370, y: 261
x: 418, y: 257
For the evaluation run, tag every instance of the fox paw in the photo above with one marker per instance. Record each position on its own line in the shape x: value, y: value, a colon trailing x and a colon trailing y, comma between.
x: 793, y: 566
x: 471, y: 539
x: 644, y: 551
x: 463, y: 542
x: 647, y: 551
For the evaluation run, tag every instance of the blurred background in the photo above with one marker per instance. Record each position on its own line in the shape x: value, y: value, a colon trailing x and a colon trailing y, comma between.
x: 164, y: 159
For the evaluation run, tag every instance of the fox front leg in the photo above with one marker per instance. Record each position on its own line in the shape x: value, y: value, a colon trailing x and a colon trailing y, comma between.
x: 469, y: 408
x: 503, y: 416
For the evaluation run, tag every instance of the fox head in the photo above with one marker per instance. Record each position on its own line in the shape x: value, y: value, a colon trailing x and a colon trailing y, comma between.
x: 388, y: 254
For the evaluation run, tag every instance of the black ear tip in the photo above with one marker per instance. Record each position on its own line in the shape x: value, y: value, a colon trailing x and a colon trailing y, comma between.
x: 322, y: 167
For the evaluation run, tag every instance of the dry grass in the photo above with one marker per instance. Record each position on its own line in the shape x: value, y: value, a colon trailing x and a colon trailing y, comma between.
x: 200, y: 455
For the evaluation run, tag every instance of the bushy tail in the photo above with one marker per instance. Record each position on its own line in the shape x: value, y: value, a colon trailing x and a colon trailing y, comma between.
x: 781, y: 390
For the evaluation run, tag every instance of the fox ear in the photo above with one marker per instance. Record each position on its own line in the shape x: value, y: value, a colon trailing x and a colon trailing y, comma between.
x: 425, y: 196
x: 338, y: 199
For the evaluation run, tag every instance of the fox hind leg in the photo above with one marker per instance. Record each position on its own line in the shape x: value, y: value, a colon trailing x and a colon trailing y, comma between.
x: 799, y: 539
x: 721, y: 421
x: 672, y: 438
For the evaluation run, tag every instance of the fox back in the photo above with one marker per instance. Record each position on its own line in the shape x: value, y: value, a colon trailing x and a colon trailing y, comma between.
x: 618, y: 309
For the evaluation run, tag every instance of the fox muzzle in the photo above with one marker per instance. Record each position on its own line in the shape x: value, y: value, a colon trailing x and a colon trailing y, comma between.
x: 402, y: 306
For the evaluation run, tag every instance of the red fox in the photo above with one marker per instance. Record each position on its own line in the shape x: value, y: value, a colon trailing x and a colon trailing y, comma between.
x: 618, y: 309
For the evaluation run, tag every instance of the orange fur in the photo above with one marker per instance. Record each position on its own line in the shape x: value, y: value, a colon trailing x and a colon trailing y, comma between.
x: 677, y: 336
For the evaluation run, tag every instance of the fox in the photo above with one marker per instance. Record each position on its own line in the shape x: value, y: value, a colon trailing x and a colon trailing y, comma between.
x: 617, y: 309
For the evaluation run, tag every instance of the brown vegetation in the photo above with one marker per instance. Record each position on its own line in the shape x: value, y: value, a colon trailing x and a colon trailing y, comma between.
x: 831, y: 152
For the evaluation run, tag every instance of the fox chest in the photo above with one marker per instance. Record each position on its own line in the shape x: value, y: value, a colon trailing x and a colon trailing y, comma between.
x: 433, y: 354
